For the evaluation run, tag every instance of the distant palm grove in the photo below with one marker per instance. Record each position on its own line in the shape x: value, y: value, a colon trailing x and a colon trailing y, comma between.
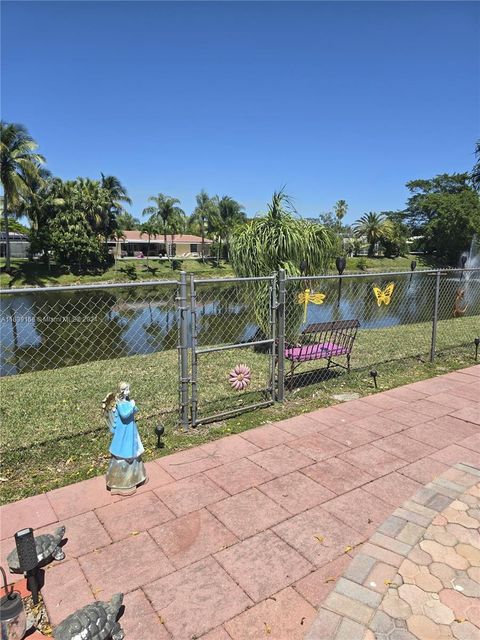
x: 71, y: 221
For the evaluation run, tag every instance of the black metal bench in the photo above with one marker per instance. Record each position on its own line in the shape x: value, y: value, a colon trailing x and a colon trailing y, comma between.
x: 323, y: 340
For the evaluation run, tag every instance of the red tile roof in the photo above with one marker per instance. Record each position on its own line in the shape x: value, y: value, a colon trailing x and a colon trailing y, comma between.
x: 134, y: 236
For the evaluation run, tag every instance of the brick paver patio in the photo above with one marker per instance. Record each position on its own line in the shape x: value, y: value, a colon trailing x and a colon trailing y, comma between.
x: 245, y: 537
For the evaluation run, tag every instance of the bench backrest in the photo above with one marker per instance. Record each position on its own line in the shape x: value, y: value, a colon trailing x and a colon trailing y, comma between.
x: 341, y: 333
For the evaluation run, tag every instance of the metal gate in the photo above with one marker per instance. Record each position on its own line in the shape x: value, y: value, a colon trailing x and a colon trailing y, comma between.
x: 231, y: 321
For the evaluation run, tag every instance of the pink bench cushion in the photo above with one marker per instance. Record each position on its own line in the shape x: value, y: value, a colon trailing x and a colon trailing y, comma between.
x: 315, y: 351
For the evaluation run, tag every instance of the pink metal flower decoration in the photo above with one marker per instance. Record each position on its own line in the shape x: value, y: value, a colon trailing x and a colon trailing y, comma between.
x: 239, y: 377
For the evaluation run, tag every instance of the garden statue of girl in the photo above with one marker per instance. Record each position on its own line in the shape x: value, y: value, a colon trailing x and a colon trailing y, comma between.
x: 126, y: 470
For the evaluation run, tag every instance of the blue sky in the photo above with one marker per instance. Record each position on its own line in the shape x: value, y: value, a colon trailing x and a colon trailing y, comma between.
x: 334, y: 99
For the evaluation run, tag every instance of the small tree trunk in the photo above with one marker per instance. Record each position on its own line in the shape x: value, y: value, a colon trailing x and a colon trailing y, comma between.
x: 203, y: 238
x: 7, y: 236
x: 165, y: 243
x: 148, y: 248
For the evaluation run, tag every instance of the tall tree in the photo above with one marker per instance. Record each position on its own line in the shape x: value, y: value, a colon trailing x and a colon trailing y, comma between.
x: 40, y: 205
x: 168, y: 215
x: 19, y: 161
x: 340, y: 208
x: 374, y: 226
x: 204, y: 216
x: 150, y: 229
x: 445, y: 210
x: 117, y: 195
x: 279, y: 240
x: 230, y: 214
x: 126, y: 221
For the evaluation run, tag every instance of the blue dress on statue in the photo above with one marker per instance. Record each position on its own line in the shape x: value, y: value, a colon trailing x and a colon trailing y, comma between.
x: 126, y: 470
x: 126, y: 441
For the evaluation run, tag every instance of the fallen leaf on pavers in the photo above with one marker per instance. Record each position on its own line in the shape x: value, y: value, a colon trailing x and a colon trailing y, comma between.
x: 387, y: 582
x: 162, y: 620
x: 268, y: 630
x: 134, y: 533
x: 459, y: 620
x: 96, y: 591
x: 302, y: 620
x: 319, y: 538
x: 272, y: 598
x: 348, y: 549
x: 330, y: 579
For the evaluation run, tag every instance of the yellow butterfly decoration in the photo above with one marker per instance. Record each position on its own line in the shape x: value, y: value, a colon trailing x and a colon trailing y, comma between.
x: 307, y: 296
x: 384, y: 296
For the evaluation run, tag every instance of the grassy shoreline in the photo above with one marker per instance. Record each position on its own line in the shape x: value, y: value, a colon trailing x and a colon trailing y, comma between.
x: 34, y: 274
x: 53, y: 433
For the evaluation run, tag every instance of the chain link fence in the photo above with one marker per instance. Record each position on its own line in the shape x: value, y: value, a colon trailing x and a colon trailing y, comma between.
x: 360, y: 320
x: 65, y: 348
x: 232, y: 340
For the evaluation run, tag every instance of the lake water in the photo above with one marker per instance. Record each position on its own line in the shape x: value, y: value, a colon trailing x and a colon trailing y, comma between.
x: 55, y: 329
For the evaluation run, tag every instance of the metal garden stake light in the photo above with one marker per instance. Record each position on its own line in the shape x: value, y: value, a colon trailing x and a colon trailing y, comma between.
x: 463, y: 262
x: 160, y: 430
x: 374, y: 374
x: 28, y: 560
x: 413, y: 266
x: 476, y: 342
x: 340, y: 263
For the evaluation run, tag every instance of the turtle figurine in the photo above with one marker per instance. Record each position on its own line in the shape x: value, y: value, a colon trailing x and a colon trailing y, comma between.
x: 47, y: 546
x: 95, y: 621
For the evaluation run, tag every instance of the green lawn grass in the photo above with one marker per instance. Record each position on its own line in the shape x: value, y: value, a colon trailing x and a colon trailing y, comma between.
x: 26, y: 273
x: 53, y: 432
x: 402, y: 263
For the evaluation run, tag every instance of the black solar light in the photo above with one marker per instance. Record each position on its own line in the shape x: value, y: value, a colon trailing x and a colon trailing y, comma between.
x: 160, y: 430
x: 476, y: 342
x: 463, y: 262
x: 413, y: 266
x: 303, y: 267
x: 28, y: 560
x: 374, y: 374
x: 340, y: 263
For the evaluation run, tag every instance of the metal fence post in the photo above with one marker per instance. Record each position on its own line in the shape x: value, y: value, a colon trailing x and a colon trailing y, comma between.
x: 193, y: 340
x: 281, y: 335
x: 183, y: 350
x: 435, y: 317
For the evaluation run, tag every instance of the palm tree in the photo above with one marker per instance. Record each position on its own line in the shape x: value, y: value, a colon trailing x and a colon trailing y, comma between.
x: 92, y: 199
x: 118, y: 235
x: 230, y: 214
x: 279, y: 240
x: 18, y: 163
x: 117, y: 194
x: 169, y: 216
x: 373, y: 226
x: 204, y: 216
x: 150, y: 229
x: 340, y: 209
